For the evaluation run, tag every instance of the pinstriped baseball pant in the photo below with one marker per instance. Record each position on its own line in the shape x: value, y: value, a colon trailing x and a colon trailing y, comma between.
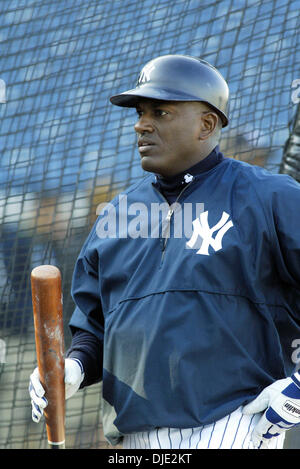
x: 231, y: 432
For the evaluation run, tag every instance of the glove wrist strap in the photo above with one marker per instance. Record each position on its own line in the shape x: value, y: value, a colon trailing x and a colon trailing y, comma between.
x: 296, y: 378
x: 82, y: 370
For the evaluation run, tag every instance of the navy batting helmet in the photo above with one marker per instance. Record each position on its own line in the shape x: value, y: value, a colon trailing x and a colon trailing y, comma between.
x: 179, y: 78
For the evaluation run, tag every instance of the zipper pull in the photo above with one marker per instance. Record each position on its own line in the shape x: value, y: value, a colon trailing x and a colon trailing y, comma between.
x: 170, y: 213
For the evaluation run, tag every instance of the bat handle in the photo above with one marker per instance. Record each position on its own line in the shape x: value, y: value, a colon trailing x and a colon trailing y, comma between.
x: 56, y: 445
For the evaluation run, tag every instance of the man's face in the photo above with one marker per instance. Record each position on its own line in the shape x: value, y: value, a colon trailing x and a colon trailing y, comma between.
x: 168, y: 135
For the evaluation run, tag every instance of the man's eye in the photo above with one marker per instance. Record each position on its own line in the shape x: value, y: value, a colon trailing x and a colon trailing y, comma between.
x: 160, y: 112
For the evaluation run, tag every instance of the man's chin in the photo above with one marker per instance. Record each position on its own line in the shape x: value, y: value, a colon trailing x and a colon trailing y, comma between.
x: 150, y: 164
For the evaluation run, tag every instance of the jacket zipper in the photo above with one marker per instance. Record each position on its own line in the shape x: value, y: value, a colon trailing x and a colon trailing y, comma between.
x: 169, y: 217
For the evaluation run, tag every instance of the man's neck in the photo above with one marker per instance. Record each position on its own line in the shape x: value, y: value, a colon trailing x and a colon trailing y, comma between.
x: 171, y: 186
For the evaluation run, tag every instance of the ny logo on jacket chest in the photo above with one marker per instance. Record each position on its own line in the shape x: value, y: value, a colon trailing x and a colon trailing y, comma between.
x: 202, y: 236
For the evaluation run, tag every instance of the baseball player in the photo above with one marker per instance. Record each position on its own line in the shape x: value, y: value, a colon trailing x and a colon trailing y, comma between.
x: 188, y: 318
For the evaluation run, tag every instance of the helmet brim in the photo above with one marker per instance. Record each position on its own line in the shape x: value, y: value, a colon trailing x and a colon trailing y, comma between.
x: 131, y: 98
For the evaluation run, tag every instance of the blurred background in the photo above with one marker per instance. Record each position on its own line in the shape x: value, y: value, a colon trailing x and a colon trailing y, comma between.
x: 65, y: 148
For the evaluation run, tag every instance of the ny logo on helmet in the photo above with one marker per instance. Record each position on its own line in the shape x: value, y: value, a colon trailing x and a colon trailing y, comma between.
x: 202, y: 231
x: 145, y: 73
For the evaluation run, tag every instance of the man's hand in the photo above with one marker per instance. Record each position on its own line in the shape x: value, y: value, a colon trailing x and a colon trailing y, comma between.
x: 282, y: 403
x: 73, y: 378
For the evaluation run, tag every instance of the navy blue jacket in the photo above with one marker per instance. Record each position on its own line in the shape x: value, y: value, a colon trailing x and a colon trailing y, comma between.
x: 192, y: 326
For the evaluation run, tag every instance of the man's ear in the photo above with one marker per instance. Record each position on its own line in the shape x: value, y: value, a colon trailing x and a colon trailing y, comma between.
x: 208, y: 123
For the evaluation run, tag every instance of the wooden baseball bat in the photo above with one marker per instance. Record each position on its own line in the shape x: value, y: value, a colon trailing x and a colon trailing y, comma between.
x: 49, y: 339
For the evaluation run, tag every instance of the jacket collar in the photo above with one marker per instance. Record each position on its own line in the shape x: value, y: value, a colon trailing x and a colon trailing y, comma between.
x: 178, y: 181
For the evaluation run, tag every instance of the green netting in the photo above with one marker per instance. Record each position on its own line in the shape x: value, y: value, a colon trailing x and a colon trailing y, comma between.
x: 65, y: 148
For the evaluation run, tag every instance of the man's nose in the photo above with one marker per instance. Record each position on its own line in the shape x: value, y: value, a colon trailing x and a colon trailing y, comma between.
x: 144, y: 124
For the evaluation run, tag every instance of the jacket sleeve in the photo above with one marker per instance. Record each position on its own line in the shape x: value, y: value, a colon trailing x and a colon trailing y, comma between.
x: 85, y: 290
x: 286, y: 219
x: 86, y: 323
x: 88, y: 349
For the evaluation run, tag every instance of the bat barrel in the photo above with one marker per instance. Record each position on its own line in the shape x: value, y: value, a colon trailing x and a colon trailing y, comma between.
x: 49, y: 338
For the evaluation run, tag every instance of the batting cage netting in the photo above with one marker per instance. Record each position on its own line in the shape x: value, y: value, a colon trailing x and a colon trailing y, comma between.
x: 65, y: 148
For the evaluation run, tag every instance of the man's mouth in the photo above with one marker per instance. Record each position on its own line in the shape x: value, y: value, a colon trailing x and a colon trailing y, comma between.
x: 145, y: 145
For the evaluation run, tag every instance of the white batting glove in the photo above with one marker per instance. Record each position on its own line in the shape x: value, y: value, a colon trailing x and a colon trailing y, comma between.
x: 74, y: 375
x: 281, y: 403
